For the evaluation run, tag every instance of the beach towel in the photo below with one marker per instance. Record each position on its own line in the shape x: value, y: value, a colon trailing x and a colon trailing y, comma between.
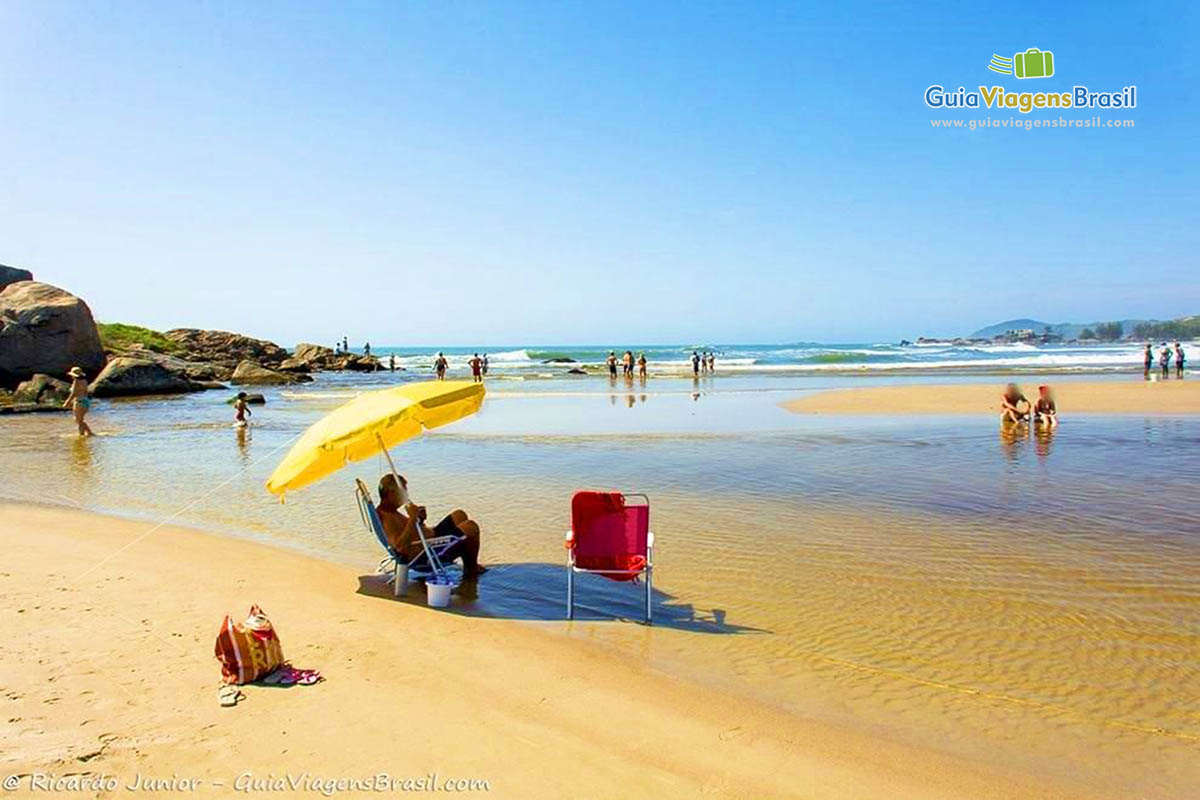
x: 248, y: 650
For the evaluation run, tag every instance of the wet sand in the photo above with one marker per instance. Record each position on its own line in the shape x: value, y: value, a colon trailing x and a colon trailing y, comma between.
x: 1108, y: 397
x: 106, y: 668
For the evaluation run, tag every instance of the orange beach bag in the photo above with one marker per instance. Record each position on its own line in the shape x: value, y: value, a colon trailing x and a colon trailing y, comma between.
x: 248, y: 650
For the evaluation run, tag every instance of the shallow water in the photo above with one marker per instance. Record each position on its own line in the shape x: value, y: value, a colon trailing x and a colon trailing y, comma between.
x: 1027, y: 601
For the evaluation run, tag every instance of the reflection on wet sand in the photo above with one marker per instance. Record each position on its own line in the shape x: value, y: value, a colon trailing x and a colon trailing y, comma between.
x: 1044, y: 438
x: 243, y: 444
x: 1013, y: 438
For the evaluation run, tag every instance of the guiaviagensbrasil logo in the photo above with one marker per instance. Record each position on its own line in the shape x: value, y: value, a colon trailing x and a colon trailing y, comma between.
x: 1033, y: 63
x: 1026, y: 64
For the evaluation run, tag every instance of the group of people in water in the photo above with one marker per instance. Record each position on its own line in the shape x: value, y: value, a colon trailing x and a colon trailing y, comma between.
x: 702, y: 363
x: 1164, y: 360
x: 627, y: 364
x: 477, y: 363
x: 1016, y: 408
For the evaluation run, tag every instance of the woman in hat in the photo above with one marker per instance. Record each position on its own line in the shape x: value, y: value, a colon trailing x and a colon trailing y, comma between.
x: 78, y: 399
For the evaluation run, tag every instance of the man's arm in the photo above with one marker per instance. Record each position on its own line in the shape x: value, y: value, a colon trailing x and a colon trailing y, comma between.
x: 397, y: 528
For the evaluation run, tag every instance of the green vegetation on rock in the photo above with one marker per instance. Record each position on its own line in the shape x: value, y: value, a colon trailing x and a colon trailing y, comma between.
x: 119, y: 336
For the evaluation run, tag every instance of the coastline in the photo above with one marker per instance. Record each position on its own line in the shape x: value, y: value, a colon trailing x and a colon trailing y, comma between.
x: 128, y: 677
x: 1171, y: 397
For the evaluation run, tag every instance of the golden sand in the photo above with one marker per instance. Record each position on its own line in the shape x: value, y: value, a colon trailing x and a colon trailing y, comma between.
x: 1133, y: 397
x: 106, y: 668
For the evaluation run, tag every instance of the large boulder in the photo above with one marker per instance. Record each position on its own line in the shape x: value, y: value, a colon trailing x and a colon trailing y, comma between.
x: 193, y: 370
x: 358, y: 363
x: 12, y: 275
x: 126, y: 376
x: 223, y: 347
x: 42, y: 389
x: 316, y: 356
x: 250, y: 374
x: 294, y: 364
x: 45, y: 329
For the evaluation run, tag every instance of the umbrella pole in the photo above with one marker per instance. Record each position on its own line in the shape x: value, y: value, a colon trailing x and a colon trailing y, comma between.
x: 434, y: 561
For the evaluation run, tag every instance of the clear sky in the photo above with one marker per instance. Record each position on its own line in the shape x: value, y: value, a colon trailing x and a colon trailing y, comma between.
x: 521, y: 173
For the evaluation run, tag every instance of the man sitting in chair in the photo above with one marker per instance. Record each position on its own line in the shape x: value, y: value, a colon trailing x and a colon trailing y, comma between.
x: 400, y: 517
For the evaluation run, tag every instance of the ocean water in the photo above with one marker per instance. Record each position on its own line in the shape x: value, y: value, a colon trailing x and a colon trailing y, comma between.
x: 1032, y: 602
x: 799, y: 358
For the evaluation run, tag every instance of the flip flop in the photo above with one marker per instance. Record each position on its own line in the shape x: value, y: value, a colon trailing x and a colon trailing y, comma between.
x: 229, y: 695
x: 307, y: 677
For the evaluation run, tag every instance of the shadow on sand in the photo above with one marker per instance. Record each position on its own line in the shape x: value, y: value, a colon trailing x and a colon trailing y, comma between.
x: 538, y: 592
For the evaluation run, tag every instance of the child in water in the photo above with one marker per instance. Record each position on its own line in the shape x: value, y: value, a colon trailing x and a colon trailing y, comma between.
x: 241, y: 410
x: 1044, y: 410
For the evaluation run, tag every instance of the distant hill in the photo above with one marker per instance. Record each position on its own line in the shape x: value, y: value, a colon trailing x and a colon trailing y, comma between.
x: 1067, y: 330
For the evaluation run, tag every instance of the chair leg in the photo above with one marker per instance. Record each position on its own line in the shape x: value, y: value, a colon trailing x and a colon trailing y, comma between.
x: 649, y: 593
x: 570, y: 591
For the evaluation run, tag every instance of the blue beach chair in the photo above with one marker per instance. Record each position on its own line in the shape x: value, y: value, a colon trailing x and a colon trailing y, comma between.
x: 422, y: 567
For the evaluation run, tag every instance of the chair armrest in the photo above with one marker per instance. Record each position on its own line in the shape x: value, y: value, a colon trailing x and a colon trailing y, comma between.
x: 650, y: 539
x: 569, y: 540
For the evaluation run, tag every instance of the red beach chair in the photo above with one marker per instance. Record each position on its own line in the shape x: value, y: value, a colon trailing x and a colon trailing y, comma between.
x: 609, y: 536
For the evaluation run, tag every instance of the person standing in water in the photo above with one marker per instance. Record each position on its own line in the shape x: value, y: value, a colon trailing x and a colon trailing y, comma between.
x: 1147, y: 361
x: 641, y: 362
x: 485, y: 364
x: 439, y: 366
x: 476, y: 368
x: 1164, y: 361
x: 392, y: 362
x: 712, y: 362
x: 695, y: 364
x: 1178, y: 360
x: 79, y: 400
x: 612, y: 364
x: 241, y: 410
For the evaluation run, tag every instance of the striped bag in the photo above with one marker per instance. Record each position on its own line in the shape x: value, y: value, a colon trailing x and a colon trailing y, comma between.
x: 249, y: 650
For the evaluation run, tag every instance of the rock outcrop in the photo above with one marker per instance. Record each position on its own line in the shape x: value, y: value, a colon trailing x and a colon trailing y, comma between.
x: 225, y: 348
x: 316, y: 356
x: 249, y: 373
x: 294, y: 364
x: 45, y: 329
x: 252, y: 399
x: 126, y: 376
x: 358, y: 363
x: 12, y: 275
x: 194, y: 370
x: 42, y: 389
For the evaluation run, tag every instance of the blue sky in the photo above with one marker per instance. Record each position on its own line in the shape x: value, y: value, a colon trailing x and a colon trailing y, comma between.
x: 510, y: 173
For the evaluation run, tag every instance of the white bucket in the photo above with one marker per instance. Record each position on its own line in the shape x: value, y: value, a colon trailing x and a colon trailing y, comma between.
x: 437, y: 594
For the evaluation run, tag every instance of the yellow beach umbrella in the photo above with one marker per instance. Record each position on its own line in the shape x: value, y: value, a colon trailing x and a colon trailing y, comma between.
x: 371, y: 422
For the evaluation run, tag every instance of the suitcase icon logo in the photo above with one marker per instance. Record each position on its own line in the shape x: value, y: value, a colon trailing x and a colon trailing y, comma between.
x: 1033, y: 63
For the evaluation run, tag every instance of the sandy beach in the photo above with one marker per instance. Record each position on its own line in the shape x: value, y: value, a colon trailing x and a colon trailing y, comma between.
x: 1108, y: 397
x: 106, y: 669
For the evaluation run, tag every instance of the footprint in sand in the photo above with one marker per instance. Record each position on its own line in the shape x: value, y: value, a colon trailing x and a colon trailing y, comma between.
x: 732, y: 733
